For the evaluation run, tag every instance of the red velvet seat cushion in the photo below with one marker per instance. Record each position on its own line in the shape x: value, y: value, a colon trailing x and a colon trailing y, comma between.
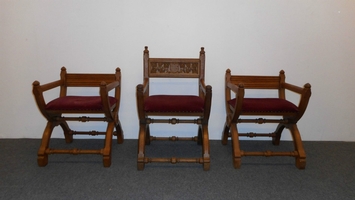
x: 266, y: 105
x: 78, y: 103
x: 173, y: 103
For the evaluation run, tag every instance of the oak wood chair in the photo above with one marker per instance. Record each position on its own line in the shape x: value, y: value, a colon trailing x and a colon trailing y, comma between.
x: 178, y: 107
x: 241, y: 106
x: 104, y: 106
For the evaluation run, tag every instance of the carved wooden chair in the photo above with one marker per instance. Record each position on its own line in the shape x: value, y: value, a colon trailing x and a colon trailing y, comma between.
x: 240, y: 106
x: 193, y: 109
x: 104, y: 106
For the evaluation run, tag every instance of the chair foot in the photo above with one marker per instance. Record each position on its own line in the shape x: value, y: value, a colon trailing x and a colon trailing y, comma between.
x: 225, y: 134
x: 199, y: 136
x: 206, y: 166
x: 120, y: 137
x: 140, y: 166
x: 300, y: 163
x: 224, y: 142
x: 107, y: 161
x: 68, y: 139
x: 237, y: 162
x: 42, y: 161
x: 147, y: 141
x: 275, y: 143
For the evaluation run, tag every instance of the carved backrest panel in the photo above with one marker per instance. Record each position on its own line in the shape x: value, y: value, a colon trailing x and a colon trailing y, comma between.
x: 174, y: 68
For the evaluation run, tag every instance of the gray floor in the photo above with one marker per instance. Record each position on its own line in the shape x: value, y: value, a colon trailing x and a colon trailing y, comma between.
x: 329, y: 173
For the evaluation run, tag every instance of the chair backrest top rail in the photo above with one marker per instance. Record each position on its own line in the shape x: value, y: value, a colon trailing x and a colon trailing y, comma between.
x: 257, y: 82
x: 88, y: 80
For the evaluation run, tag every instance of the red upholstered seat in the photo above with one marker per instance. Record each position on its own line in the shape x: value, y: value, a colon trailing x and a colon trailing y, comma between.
x: 78, y: 103
x: 173, y: 103
x: 265, y: 105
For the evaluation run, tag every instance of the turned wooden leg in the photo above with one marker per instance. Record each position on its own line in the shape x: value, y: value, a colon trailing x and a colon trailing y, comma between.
x: 42, y: 156
x: 300, y: 163
x: 225, y: 134
x: 106, y: 151
x: 206, y: 166
x: 141, y: 146
x: 147, y: 135
x: 301, y: 158
x: 199, y: 135
x: 278, y: 131
x: 42, y: 160
x: 237, y: 162
x: 235, y: 146
x: 140, y: 166
x: 205, y: 147
x: 119, y: 133
x: 106, y: 161
x: 66, y: 130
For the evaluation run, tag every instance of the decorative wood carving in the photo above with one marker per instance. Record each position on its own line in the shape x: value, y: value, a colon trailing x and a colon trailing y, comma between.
x: 173, y: 67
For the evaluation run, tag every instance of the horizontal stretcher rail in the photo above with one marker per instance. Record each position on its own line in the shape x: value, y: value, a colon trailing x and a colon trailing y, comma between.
x: 174, y: 138
x: 73, y: 151
x: 83, y: 119
x: 262, y: 121
x: 174, y: 121
x: 174, y: 160
x: 92, y: 133
x: 269, y: 153
x: 251, y: 134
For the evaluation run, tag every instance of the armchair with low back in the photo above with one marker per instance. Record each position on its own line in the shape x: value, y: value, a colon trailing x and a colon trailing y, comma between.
x: 103, y: 106
x: 240, y: 108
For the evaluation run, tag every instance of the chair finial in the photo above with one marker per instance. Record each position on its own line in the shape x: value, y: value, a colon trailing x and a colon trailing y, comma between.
x: 307, y: 85
x: 36, y: 83
x: 202, y: 50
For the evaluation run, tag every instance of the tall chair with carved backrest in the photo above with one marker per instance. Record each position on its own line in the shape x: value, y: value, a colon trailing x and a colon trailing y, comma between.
x: 241, y: 106
x: 104, y: 107
x: 193, y: 109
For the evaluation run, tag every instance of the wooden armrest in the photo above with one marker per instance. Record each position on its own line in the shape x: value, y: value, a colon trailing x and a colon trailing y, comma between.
x: 104, y: 90
x: 202, y: 83
x: 202, y: 86
x: 208, y: 100
x: 145, y: 85
x: 233, y: 87
x: 293, y: 88
x: 305, y: 94
x: 141, y: 89
x: 38, y: 94
x: 47, y: 86
x: 110, y: 86
x: 239, y: 95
